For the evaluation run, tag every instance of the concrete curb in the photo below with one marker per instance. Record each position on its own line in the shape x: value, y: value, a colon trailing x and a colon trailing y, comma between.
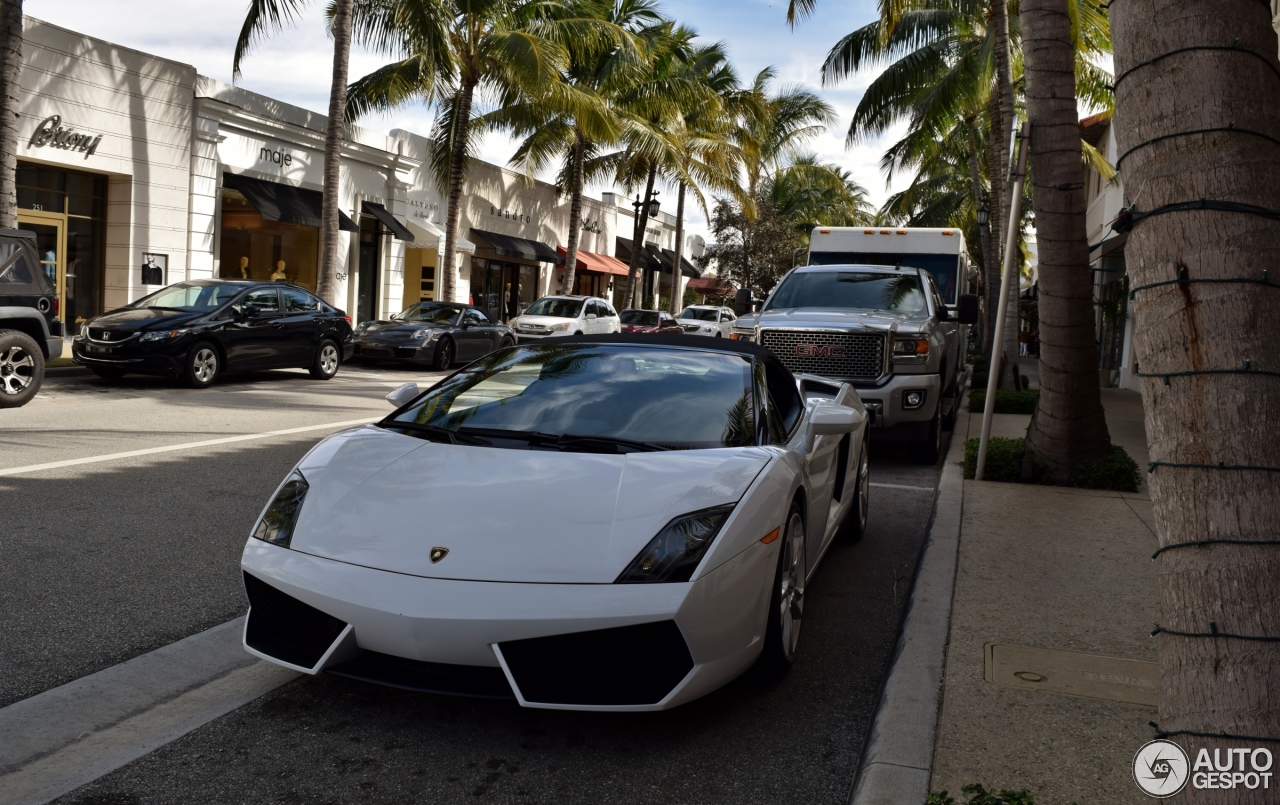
x: 66, y: 371
x: 897, y: 757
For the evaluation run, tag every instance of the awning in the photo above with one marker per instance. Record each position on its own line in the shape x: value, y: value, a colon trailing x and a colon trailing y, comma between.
x: 427, y: 235
x: 284, y: 203
x: 388, y: 220
x: 649, y: 260
x: 603, y: 263
x: 669, y: 258
x: 509, y: 246
x: 712, y: 286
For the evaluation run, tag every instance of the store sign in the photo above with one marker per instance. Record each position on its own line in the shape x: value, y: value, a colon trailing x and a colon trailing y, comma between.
x: 426, y: 210
x: 591, y: 226
x: 276, y: 156
x: 53, y: 134
x: 510, y: 215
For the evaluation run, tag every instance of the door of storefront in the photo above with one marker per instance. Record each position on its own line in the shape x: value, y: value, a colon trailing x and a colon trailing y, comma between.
x: 367, y: 283
x: 502, y: 289
x: 66, y: 211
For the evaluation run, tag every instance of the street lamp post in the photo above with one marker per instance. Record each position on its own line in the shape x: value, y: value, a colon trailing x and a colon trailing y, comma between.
x: 637, y: 241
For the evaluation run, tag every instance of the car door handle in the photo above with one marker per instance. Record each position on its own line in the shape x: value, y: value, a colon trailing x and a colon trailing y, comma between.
x: 277, y: 324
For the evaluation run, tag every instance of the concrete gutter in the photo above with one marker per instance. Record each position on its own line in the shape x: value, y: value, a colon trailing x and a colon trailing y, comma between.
x: 897, y: 756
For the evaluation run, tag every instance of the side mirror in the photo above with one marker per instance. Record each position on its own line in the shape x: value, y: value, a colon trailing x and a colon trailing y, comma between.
x: 403, y: 394
x: 829, y: 419
x: 592, y: 317
x: 742, y: 302
x: 249, y: 312
x: 967, y: 309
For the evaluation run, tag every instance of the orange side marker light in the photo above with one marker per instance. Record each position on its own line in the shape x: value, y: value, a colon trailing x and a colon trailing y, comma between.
x: 771, y: 536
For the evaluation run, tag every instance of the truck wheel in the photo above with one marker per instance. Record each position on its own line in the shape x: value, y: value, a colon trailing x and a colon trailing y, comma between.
x: 930, y: 450
x: 21, y: 368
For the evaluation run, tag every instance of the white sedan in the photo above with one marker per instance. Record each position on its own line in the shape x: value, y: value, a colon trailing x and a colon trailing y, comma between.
x: 709, y: 320
x: 559, y: 316
x: 595, y: 523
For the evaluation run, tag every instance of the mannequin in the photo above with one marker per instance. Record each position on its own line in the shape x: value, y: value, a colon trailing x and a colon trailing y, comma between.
x: 279, y: 275
x: 244, y: 268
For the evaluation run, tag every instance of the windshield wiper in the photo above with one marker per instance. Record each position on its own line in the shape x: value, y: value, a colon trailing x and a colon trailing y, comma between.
x: 449, y: 436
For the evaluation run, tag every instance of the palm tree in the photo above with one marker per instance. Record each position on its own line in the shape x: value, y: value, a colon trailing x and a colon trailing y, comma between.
x: 267, y: 17
x: 575, y: 133
x: 454, y: 53
x: 10, y: 69
x: 1212, y: 435
x: 811, y: 192
x: 1068, y: 426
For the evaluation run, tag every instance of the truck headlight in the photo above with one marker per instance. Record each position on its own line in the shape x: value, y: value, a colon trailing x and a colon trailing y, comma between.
x: 679, y: 547
x: 911, y: 346
x: 277, y: 522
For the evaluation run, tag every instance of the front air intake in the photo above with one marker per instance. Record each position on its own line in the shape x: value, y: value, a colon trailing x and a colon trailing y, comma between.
x: 428, y: 677
x: 282, y: 627
x: 629, y: 665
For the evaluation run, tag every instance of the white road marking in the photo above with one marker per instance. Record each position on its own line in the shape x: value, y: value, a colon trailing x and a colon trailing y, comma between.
x: 70, y: 736
x: 72, y: 462
x: 901, y: 486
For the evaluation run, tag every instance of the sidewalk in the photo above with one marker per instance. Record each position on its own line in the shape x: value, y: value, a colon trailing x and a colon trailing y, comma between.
x: 1068, y: 571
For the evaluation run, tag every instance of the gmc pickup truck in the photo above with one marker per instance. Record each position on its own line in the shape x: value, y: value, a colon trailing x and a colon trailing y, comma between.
x: 885, y: 330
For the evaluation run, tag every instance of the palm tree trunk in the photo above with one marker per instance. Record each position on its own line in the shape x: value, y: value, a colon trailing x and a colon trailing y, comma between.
x: 1068, y: 426
x: 333, y: 134
x: 1209, y: 684
x: 457, y: 173
x: 679, y: 252
x: 575, y: 215
x: 642, y: 221
x: 1004, y: 92
x: 10, y: 69
x: 996, y: 178
x: 990, y: 263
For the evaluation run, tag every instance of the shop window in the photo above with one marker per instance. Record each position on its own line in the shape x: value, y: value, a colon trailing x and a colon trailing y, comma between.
x: 255, y: 248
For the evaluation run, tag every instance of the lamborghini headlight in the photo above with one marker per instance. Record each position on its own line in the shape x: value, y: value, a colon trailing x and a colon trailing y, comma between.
x: 278, y: 521
x: 679, y: 547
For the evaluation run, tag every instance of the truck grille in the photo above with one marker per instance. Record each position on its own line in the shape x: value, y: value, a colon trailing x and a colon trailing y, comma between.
x: 845, y: 355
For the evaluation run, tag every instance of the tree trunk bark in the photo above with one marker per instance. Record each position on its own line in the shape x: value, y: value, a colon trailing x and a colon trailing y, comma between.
x: 1208, y: 684
x: 457, y: 174
x: 10, y: 70
x: 676, y: 296
x: 1008, y: 113
x: 334, y: 130
x: 1068, y: 425
x: 642, y: 221
x: 990, y: 263
x: 575, y: 216
x: 996, y: 173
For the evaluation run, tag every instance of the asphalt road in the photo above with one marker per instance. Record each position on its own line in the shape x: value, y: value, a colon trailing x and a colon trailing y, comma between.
x: 106, y: 561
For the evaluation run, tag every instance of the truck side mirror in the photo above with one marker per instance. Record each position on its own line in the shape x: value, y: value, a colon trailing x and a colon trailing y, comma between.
x: 967, y: 309
x: 742, y: 302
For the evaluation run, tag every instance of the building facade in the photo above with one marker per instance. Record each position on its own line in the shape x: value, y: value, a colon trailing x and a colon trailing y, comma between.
x: 136, y: 172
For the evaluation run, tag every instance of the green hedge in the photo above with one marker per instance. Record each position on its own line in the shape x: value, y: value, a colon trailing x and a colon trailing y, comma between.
x: 1117, y: 471
x: 975, y: 794
x: 1008, y: 401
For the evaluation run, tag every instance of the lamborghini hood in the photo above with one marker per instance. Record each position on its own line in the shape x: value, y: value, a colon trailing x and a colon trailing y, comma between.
x: 385, y: 500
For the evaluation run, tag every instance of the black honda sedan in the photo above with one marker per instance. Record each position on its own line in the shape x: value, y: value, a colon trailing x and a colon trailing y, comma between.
x: 194, y: 330
x: 432, y: 333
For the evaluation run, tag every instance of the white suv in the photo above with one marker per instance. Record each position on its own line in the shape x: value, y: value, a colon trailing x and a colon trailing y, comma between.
x: 707, y: 320
x: 554, y: 316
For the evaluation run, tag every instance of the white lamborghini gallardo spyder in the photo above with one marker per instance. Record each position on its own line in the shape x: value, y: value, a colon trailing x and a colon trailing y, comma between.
x: 593, y: 523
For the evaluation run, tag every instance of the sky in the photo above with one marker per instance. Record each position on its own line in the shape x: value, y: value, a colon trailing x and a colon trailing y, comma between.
x: 294, y: 65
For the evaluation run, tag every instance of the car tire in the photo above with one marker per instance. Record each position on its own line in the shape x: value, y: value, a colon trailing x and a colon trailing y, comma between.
x: 21, y: 368
x: 107, y: 372
x: 327, y: 360
x: 930, y: 450
x: 786, y: 604
x: 202, y: 366
x: 446, y: 353
x: 507, y: 343
x: 855, y: 520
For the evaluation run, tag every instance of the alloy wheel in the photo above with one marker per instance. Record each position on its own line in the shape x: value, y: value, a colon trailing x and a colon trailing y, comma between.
x: 329, y: 359
x: 205, y: 364
x: 13, y: 379
x: 791, y: 589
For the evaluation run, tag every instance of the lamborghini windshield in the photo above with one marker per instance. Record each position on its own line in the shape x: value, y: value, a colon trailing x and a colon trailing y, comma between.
x: 591, y: 396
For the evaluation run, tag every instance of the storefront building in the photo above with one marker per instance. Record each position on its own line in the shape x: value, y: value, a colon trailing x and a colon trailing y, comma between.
x: 104, y: 139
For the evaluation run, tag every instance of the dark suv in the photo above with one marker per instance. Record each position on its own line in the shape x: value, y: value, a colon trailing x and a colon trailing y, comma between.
x: 30, y: 332
x: 194, y: 330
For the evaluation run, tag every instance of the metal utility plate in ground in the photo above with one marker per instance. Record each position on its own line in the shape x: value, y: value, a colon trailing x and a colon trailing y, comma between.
x: 1092, y: 676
